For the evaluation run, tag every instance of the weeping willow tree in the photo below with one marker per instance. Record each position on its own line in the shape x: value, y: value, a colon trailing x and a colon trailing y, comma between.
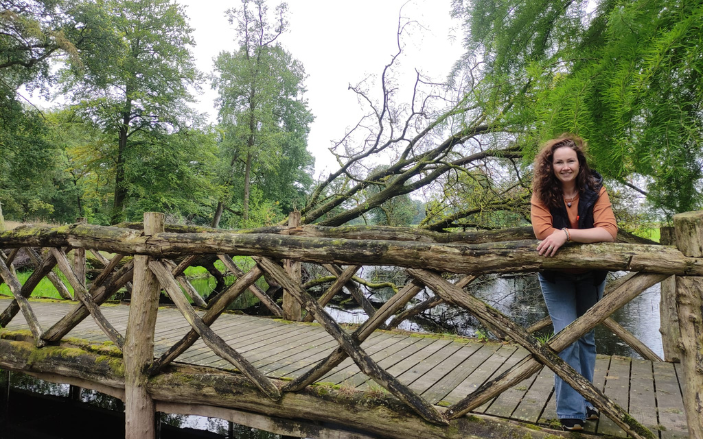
x: 625, y: 75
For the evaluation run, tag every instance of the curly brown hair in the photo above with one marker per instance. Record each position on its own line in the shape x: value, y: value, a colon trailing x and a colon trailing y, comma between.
x: 545, y: 184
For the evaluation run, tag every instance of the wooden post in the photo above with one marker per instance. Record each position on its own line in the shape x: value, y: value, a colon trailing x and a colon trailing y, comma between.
x: 140, y: 414
x: 668, y: 315
x: 291, y: 307
x: 79, y: 257
x: 689, y: 302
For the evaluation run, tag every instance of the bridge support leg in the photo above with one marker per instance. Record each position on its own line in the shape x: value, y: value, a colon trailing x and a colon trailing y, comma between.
x: 140, y: 413
x: 689, y: 303
x: 291, y: 307
x: 668, y: 315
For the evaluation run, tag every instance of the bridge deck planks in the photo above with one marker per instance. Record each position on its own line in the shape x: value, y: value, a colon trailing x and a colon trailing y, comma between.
x: 443, y: 370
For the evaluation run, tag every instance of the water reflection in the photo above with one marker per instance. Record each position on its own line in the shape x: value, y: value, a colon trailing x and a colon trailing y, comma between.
x: 32, y: 408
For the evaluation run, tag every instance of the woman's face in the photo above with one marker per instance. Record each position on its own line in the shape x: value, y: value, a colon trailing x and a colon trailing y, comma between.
x: 565, y: 164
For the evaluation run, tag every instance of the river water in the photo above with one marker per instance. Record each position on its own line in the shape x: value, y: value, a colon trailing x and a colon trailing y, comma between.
x: 31, y: 408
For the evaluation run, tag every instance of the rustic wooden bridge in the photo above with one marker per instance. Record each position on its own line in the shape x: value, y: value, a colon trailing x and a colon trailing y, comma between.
x: 323, y: 380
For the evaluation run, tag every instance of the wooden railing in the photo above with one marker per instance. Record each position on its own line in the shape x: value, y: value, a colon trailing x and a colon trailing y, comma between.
x: 343, y: 251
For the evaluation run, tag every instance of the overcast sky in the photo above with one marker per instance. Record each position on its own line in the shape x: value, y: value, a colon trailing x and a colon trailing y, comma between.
x: 338, y: 42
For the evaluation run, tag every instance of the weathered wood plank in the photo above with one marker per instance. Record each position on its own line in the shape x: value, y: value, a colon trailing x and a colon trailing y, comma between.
x: 413, y: 360
x: 441, y: 367
x: 599, y: 376
x: 643, y: 403
x: 518, y: 355
x: 391, y: 346
x: 532, y: 404
x: 505, y: 404
x: 391, y: 360
x: 431, y: 363
x: 672, y: 415
x: 473, y: 361
x: 617, y: 387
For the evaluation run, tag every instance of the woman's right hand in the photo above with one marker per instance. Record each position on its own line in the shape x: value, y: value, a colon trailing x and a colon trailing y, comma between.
x: 552, y: 243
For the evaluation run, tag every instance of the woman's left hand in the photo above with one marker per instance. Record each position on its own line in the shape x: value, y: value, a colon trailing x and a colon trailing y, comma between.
x: 552, y: 243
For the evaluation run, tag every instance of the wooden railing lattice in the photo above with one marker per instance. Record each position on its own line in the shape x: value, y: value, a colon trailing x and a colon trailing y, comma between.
x: 424, y: 256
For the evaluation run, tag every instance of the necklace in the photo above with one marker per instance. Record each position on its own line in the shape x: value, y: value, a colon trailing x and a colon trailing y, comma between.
x: 570, y: 200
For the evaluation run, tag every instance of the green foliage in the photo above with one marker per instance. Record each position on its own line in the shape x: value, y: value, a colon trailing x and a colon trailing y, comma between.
x: 625, y: 75
x: 134, y: 86
x: 263, y: 115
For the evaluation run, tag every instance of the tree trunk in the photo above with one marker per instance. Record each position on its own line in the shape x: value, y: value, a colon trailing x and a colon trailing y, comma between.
x: 120, y: 184
x: 218, y: 215
x: 2, y: 220
x: 247, y: 188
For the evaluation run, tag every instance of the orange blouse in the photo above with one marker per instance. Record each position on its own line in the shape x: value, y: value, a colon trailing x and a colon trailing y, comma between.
x: 602, y: 215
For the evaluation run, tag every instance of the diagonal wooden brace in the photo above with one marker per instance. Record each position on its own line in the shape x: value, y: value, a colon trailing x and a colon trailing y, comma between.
x: 86, y: 299
x: 540, y: 354
x: 185, y: 284
x: 352, y: 347
x: 335, y: 288
x: 16, y: 289
x: 29, y: 285
x: 392, y: 305
x: 217, y: 306
x: 102, y: 289
x: 261, y: 295
x: 53, y: 278
x: 354, y: 290
x: 211, y: 339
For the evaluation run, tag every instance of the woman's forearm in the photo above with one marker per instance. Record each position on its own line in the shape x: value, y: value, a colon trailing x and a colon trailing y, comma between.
x: 596, y: 234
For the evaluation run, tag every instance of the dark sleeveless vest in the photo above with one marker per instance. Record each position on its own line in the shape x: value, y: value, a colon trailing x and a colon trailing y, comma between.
x: 560, y: 219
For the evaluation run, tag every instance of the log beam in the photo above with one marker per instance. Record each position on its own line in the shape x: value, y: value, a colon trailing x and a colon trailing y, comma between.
x: 353, y: 288
x: 86, y: 299
x: 509, y: 256
x: 261, y: 295
x: 291, y: 307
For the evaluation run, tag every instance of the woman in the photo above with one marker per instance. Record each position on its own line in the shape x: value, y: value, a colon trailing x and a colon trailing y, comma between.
x: 569, y: 203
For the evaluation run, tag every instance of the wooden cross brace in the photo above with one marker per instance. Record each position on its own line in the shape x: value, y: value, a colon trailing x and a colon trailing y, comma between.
x: 351, y: 346
x: 546, y: 355
x: 389, y: 308
x: 16, y: 289
x: 105, y: 285
x: 215, y: 309
x: 86, y: 298
x: 211, y: 339
x: 13, y: 308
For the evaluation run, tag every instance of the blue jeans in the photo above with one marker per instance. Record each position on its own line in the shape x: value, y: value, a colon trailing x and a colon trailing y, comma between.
x: 569, y: 297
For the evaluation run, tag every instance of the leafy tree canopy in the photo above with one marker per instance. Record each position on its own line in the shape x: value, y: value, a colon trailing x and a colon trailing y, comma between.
x: 625, y: 75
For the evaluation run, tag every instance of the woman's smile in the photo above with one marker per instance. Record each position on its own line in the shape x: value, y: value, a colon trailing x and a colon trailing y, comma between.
x: 565, y: 164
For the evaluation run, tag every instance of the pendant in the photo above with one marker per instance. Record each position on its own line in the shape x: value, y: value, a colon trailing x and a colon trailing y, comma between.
x: 568, y: 204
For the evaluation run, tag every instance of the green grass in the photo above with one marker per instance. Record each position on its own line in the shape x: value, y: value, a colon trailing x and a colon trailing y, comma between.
x: 45, y: 288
